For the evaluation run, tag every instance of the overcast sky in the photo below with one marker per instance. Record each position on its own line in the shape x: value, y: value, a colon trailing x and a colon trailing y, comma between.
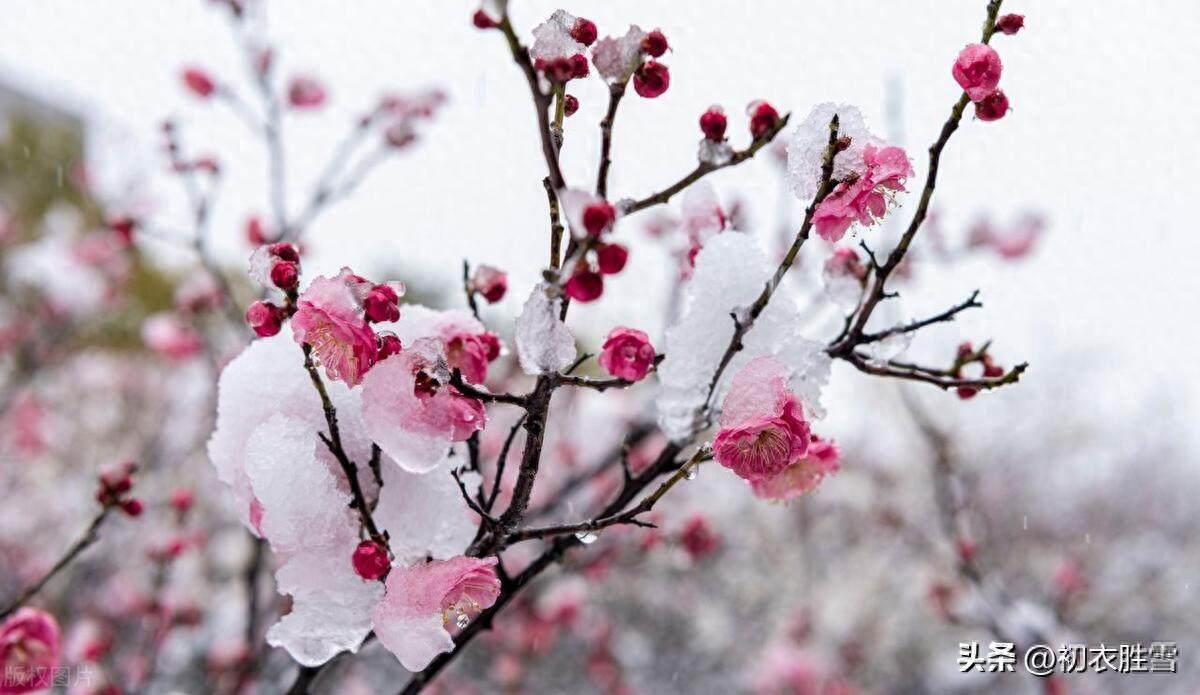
x: 1103, y: 138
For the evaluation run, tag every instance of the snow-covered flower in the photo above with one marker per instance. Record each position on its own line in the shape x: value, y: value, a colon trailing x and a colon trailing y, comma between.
x: 863, y: 199
x: 763, y: 430
x: 328, y: 318
x: 802, y: 476
x: 29, y: 651
x: 977, y: 70
x: 627, y: 354
x: 490, y: 282
x: 411, y: 411
x: 544, y: 343
x: 426, y: 600
x: 553, y: 38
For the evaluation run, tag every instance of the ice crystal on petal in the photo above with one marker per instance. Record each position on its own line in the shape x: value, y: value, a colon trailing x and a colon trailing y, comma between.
x: 261, y: 262
x: 616, y: 58
x: 544, y: 343
x: 552, y: 38
x: 806, y: 148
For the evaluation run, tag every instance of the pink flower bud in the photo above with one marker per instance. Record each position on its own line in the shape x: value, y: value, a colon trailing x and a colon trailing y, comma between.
x: 570, y: 105
x: 256, y: 233
x: 713, y: 123
x: 977, y: 70
x: 285, y: 275
x: 265, y: 318
x: 627, y: 354
x: 611, y: 258
x: 482, y: 20
x: 182, y: 499
x: 584, y: 31
x: 698, y: 538
x: 651, y: 79
x: 198, y: 82
x: 306, y: 93
x: 965, y: 350
x: 992, y: 107
x: 133, y: 507
x: 370, y: 560
x: 598, y: 217
x: 763, y: 119
x: 389, y: 345
x: 490, y: 282
x: 966, y: 392
x: 1010, y: 23
x: 381, y: 304
x: 584, y: 286
x: 655, y: 44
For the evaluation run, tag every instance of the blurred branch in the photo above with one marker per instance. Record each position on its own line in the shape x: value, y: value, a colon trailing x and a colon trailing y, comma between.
x: 89, y: 537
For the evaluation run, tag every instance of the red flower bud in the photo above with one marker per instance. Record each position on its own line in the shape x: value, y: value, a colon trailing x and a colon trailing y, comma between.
x: 965, y: 350
x: 763, y: 119
x: 611, y: 258
x: 992, y: 107
x: 198, y: 82
x: 579, y: 66
x: 557, y: 70
x: 370, y: 560
x: 132, y: 507
x: 182, y: 499
x: 285, y: 275
x: 389, y: 345
x: 381, y: 304
x: 713, y: 123
x: 651, y: 79
x: 570, y: 105
x: 482, y: 20
x: 598, y: 218
x: 655, y: 44
x: 966, y: 392
x: 584, y: 286
x: 1010, y: 23
x: 285, y: 252
x: 265, y: 318
x: 256, y: 233
x: 584, y: 31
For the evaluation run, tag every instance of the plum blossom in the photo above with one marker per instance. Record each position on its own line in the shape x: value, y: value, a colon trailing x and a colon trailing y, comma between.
x: 651, y: 79
x: 763, y: 430
x: 328, y: 318
x: 425, y: 601
x: 306, y: 92
x: 806, y: 148
x: 29, y: 651
x: 412, y: 413
x: 863, y: 199
x: 977, y: 70
x: 992, y: 107
x: 170, y: 336
x: 587, y: 215
x: 553, y: 38
x: 490, y: 282
x: 802, y: 476
x: 1015, y: 241
x: 468, y: 345
x: 290, y: 490
x: 471, y: 353
x: 627, y: 354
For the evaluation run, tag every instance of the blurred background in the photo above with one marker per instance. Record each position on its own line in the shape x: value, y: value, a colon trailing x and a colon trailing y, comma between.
x: 1059, y: 509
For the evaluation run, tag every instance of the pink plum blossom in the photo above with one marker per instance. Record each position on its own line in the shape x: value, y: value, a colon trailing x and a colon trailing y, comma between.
x: 763, y: 430
x: 470, y: 353
x: 411, y: 412
x: 306, y: 92
x: 977, y: 70
x: 425, y: 601
x: 802, y: 476
x: 863, y: 199
x: 328, y: 318
x: 170, y: 336
x: 29, y: 651
x: 490, y: 282
x: 627, y: 354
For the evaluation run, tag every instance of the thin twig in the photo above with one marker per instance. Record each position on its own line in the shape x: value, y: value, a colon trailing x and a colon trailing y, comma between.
x: 456, y: 380
x: 89, y: 537
x: 971, y: 302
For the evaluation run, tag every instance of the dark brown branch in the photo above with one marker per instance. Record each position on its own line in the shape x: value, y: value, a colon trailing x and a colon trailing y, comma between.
x: 333, y: 442
x: 556, y: 225
x: 615, y: 92
x: 468, y: 290
x: 487, y: 518
x: 926, y: 375
x: 634, y: 437
x: 501, y: 461
x: 844, y: 345
x: 947, y: 315
x: 87, y: 539
x: 541, y: 101
x: 704, y: 168
x: 456, y: 380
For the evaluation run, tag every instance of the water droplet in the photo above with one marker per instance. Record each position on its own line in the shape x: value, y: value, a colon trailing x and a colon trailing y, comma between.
x: 587, y: 537
x: 462, y: 620
x: 691, y: 473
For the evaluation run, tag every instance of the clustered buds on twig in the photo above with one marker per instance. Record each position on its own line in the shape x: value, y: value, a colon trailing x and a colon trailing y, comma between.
x: 115, y: 483
x: 968, y: 355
